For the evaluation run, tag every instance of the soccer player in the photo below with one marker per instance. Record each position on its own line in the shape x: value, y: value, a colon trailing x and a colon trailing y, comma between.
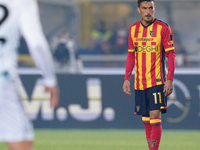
x: 150, y: 40
x: 21, y: 18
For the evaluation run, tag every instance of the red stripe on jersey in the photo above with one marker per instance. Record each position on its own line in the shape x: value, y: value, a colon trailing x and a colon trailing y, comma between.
x: 144, y: 80
x: 155, y: 30
x: 153, y: 43
x: 137, y: 85
x: 144, y: 32
x: 144, y: 43
x: 153, y: 69
x: 136, y: 43
x: 153, y: 58
x: 161, y: 67
x: 137, y: 30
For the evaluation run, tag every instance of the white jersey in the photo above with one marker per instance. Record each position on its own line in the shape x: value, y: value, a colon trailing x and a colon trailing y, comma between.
x: 21, y: 18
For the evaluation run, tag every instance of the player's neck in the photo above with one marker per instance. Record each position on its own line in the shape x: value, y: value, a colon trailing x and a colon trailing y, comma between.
x: 147, y: 23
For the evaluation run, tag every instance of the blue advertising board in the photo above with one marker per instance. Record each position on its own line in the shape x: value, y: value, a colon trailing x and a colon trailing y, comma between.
x: 98, y: 101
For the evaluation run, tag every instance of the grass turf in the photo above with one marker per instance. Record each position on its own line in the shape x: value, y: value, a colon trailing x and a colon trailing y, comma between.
x: 111, y: 140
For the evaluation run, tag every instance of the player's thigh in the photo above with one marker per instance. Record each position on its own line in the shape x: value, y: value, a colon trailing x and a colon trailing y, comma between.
x: 25, y: 145
x: 15, y: 125
x: 141, y: 103
x: 155, y: 114
x: 157, y: 98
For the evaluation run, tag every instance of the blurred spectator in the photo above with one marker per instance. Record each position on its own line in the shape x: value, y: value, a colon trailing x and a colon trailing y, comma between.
x: 100, y: 38
x: 61, y: 53
x: 92, y: 49
x: 119, y: 39
x: 99, y: 42
x: 64, y: 53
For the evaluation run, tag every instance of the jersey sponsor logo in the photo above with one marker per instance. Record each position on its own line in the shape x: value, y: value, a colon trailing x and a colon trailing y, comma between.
x: 151, y: 33
x: 144, y: 39
x: 146, y: 48
x: 158, y: 80
x: 153, y: 143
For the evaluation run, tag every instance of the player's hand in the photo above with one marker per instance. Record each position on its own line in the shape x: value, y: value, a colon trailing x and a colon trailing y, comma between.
x: 126, y: 87
x: 168, y: 87
x: 54, y: 91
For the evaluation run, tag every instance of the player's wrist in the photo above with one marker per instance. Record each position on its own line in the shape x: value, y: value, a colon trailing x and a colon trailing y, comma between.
x: 50, y: 82
x: 127, y: 80
x: 170, y: 79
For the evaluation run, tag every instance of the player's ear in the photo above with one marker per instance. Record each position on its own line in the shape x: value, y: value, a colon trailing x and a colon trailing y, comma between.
x: 154, y: 8
x: 138, y: 9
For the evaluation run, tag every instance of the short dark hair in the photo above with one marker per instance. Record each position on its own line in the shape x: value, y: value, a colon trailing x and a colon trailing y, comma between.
x: 140, y: 1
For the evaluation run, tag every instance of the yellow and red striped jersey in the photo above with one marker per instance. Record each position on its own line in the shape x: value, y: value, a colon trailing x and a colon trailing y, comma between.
x: 147, y: 48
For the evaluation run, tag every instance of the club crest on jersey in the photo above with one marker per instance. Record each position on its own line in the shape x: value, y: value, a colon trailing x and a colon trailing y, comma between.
x: 153, y: 143
x: 151, y: 33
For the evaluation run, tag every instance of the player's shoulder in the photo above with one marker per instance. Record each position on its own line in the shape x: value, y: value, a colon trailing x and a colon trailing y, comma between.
x: 27, y: 1
x: 27, y: 4
x: 135, y: 24
x: 8, y: 3
x: 162, y: 23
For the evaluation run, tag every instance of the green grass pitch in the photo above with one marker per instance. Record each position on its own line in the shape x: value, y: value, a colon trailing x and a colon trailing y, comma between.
x: 105, y: 139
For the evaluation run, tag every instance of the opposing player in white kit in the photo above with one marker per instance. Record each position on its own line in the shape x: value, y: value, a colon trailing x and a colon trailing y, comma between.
x: 21, y: 18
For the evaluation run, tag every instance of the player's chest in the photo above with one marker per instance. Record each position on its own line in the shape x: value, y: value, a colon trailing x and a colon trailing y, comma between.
x: 146, y: 40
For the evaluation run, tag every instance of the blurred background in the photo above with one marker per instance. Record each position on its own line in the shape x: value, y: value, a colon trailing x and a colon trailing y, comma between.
x: 85, y: 34
x: 88, y: 41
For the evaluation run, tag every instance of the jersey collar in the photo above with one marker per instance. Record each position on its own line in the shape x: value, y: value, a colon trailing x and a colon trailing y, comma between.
x: 148, y: 24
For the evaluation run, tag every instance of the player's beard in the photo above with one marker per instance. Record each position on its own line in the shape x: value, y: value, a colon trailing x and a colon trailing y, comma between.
x: 149, y: 20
